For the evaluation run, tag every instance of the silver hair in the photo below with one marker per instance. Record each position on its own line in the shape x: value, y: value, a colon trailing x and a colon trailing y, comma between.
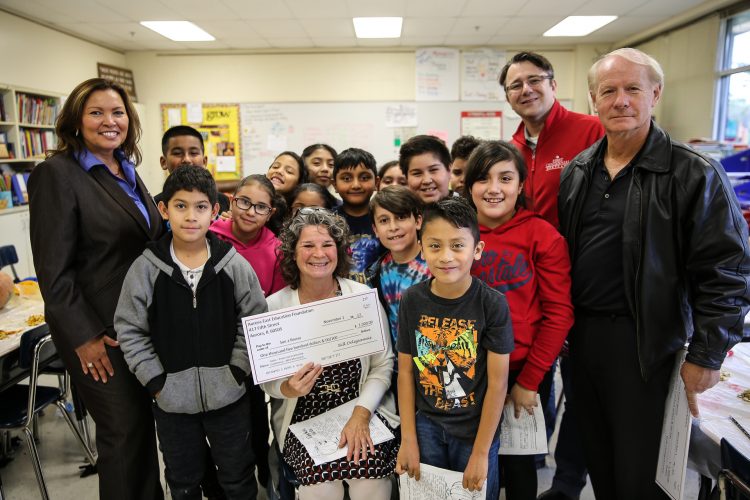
x: 337, y: 228
x: 655, y: 73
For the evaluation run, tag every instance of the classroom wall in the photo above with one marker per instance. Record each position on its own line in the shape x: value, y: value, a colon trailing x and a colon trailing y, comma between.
x: 688, y: 57
x: 299, y: 77
x: 40, y: 58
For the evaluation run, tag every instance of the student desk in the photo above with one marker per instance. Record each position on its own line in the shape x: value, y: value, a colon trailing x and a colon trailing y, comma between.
x: 716, y: 405
x: 13, y: 317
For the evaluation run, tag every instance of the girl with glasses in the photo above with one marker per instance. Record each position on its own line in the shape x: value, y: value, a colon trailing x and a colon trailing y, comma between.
x: 252, y: 206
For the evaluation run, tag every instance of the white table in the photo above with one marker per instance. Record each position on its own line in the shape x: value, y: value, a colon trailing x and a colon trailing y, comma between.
x: 715, y: 406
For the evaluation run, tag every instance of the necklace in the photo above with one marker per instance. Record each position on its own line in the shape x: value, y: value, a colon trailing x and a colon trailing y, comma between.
x: 304, y: 300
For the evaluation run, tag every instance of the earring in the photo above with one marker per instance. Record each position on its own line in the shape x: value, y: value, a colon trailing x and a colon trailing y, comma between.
x: 77, y: 132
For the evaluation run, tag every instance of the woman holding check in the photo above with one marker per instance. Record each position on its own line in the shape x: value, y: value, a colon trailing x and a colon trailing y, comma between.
x: 314, y: 244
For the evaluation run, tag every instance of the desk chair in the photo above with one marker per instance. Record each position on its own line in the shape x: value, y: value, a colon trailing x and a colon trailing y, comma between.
x: 8, y: 257
x: 734, y: 477
x: 20, y: 404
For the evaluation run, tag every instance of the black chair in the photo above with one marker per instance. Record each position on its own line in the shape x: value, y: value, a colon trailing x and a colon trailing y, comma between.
x: 8, y: 257
x: 20, y: 404
x: 734, y: 477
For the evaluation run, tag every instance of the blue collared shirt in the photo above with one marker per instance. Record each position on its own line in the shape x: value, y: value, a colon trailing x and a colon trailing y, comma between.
x: 87, y: 160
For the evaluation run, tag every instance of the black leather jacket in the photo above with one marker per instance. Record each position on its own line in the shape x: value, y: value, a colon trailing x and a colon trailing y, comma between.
x: 685, y: 250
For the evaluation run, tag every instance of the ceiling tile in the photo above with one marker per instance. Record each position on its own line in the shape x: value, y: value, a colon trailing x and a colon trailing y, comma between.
x: 426, y: 26
x: 87, y: 11
x: 664, y: 7
x: 608, y: 7
x: 497, y: 8
x: 556, y: 8
x: 33, y: 10
x: 277, y: 28
x: 258, y: 9
x: 328, y: 27
x: 312, y: 9
x: 528, y: 25
x: 229, y: 29
x: 198, y: 10
x: 144, y: 10
x: 435, y: 8
x: 478, y: 26
x: 246, y: 43
x: 381, y: 8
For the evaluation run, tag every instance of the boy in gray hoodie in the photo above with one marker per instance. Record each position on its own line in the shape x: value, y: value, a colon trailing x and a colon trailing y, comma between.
x: 178, y: 324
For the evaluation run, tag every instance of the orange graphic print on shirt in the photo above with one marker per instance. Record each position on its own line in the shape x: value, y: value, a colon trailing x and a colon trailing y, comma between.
x: 446, y: 360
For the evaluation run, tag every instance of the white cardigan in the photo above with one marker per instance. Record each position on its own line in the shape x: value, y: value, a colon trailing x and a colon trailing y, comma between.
x: 373, y: 384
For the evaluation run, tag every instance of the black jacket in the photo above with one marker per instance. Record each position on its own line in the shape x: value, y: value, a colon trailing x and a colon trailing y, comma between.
x: 188, y: 346
x: 685, y: 250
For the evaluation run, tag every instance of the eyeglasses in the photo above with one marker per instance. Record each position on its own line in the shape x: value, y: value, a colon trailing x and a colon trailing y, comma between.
x: 245, y: 204
x: 534, y: 81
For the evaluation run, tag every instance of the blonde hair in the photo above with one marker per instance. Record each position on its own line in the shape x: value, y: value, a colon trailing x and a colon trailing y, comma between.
x: 655, y: 73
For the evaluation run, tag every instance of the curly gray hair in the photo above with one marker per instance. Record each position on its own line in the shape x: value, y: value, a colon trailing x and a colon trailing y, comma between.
x: 313, y: 216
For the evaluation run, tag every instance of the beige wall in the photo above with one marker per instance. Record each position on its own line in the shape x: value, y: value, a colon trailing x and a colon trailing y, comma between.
x: 688, y: 57
x: 41, y: 58
x: 56, y: 62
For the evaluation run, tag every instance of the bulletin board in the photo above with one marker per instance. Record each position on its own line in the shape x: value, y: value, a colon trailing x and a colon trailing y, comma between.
x: 380, y: 127
x: 220, y: 126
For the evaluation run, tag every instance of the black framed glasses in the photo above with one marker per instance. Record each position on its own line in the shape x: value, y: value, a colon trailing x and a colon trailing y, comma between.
x: 534, y: 81
x: 245, y: 204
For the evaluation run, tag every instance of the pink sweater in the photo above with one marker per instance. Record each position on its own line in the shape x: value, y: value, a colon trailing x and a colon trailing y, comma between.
x: 261, y: 253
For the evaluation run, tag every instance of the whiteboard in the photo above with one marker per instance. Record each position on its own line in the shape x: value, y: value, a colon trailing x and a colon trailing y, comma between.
x: 270, y: 128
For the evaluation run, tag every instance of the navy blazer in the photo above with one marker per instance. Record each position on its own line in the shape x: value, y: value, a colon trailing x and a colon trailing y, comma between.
x: 85, y: 234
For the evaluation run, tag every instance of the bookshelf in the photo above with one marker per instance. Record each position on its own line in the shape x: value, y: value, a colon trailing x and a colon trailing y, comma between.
x: 27, y: 125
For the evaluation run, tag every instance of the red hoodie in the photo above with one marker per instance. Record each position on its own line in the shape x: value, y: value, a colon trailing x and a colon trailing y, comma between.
x: 565, y: 134
x: 527, y: 260
x: 261, y: 253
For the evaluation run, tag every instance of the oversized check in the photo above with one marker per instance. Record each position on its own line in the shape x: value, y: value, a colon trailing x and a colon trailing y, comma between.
x: 327, y: 332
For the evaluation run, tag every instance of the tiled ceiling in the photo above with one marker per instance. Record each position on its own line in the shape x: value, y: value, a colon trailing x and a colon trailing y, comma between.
x: 316, y: 24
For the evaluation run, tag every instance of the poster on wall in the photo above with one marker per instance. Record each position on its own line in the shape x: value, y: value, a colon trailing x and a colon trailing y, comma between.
x: 437, y: 74
x: 480, y: 69
x: 220, y: 126
x: 486, y: 125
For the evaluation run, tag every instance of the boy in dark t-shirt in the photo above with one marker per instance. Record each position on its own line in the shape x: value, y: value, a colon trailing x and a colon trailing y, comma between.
x: 453, y: 341
x: 355, y: 177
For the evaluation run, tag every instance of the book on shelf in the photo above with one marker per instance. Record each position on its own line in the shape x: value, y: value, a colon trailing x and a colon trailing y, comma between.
x: 3, y: 116
x: 36, y: 143
x: 18, y: 184
x: 36, y: 110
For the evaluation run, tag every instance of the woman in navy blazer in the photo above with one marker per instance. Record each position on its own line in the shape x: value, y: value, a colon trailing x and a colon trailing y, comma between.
x: 91, y: 216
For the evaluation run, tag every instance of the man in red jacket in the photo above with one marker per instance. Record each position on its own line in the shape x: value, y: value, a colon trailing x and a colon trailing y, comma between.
x: 548, y: 137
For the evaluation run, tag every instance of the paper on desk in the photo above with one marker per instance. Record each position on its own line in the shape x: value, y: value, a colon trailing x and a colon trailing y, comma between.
x: 526, y: 435
x: 436, y: 483
x: 320, y: 435
x: 675, y: 436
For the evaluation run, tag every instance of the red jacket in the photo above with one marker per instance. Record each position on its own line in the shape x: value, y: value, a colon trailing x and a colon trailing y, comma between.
x: 527, y: 260
x: 565, y: 134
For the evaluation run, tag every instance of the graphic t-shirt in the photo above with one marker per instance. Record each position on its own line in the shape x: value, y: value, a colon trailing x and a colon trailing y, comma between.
x: 365, y: 245
x: 448, y: 340
x: 395, y: 278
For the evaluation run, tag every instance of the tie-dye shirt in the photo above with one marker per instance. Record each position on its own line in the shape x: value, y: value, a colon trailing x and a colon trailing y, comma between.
x: 395, y: 278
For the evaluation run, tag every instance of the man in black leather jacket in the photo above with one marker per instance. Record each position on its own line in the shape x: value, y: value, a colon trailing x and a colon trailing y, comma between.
x: 660, y: 259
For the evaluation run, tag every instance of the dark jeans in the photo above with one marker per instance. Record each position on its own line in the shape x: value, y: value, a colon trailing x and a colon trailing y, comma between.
x: 570, y: 472
x: 619, y: 414
x: 183, y: 441
x: 440, y: 449
x: 519, y: 471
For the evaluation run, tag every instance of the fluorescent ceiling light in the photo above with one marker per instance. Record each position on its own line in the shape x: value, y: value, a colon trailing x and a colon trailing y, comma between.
x: 378, y: 27
x: 179, y: 31
x: 579, y: 25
